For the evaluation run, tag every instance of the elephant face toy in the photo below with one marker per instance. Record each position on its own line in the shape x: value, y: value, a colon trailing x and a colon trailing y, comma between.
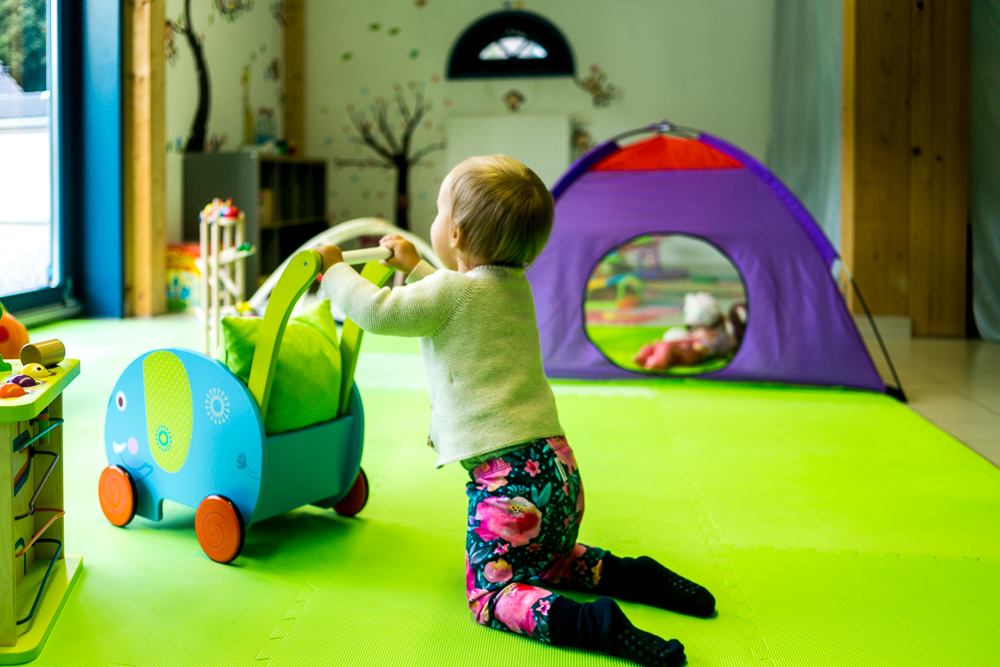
x: 184, y: 427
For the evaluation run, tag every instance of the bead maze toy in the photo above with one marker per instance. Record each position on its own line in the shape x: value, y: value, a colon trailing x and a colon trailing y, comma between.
x: 181, y: 426
x: 37, y: 574
x: 223, y: 249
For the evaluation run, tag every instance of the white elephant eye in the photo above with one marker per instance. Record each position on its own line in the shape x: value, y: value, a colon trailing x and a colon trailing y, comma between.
x: 120, y: 401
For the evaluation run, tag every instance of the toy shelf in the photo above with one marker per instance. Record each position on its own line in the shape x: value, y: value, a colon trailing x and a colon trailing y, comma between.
x: 283, y: 197
x: 227, y: 256
x: 37, y: 574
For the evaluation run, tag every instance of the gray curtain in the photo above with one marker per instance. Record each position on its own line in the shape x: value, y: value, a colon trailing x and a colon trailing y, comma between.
x: 984, y: 165
x: 803, y: 147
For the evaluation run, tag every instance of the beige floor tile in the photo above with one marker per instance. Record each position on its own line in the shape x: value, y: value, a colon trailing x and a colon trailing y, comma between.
x: 987, y: 432
x: 949, y: 405
x: 953, y: 383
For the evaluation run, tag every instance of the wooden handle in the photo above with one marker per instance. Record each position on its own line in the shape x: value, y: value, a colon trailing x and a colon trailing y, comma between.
x: 48, y: 353
x: 366, y: 255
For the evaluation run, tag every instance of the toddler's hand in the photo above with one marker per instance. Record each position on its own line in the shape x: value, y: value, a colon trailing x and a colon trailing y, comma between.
x: 331, y: 255
x: 404, y: 256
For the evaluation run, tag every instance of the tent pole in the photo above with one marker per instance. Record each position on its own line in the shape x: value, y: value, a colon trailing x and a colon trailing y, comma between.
x: 664, y: 127
x: 897, y: 391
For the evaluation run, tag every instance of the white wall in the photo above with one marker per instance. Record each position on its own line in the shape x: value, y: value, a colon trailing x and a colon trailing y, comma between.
x: 705, y: 64
x: 253, y: 40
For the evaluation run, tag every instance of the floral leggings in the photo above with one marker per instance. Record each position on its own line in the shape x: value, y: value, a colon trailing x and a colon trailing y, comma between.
x: 525, y: 509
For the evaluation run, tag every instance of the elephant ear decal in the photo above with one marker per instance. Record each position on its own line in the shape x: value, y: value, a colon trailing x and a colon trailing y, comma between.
x: 168, y: 409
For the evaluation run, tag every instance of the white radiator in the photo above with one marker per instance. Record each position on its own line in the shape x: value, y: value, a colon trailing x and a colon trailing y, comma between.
x: 540, y: 142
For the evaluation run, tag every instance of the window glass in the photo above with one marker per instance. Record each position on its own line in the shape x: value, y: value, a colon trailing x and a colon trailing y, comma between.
x: 512, y: 47
x: 26, y: 221
x: 510, y: 43
x: 666, y: 304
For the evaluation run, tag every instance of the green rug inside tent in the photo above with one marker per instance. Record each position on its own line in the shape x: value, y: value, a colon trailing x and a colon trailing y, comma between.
x: 620, y: 344
x: 833, y: 527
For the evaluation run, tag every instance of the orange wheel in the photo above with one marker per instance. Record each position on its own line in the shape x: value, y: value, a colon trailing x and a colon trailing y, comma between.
x: 116, y: 491
x: 356, y: 498
x: 219, y: 527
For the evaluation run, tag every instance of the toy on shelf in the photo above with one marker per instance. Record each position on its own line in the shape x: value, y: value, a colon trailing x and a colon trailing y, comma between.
x: 181, y: 426
x: 613, y: 273
x: 223, y: 249
x: 48, y: 353
x: 37, y: 574
x: 704, y: 336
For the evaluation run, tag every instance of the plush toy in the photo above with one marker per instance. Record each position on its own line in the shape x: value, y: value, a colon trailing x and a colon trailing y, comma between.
x: 704, y: 336
x: 736, y: 323
x: 13, y: 336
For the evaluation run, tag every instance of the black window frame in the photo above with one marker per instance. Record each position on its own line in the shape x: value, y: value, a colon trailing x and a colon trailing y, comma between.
x: 464, y: 61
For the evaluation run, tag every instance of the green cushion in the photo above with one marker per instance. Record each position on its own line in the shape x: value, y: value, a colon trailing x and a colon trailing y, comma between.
x: 306, y: 387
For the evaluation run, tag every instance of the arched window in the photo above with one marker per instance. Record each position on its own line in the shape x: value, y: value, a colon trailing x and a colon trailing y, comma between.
x: 510, y: 44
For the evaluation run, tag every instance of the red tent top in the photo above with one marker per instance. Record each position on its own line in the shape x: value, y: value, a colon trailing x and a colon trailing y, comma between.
x: 663, y: 152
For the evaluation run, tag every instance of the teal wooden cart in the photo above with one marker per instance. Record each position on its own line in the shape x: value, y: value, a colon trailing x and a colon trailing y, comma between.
x: 181, y: 426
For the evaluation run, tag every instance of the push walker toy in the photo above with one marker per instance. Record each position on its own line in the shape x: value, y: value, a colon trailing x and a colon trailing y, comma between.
x: 181, y: 426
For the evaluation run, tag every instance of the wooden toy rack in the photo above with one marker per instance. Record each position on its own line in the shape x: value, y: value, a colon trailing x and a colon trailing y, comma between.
x: 37, y: 573
x: 223, y: 250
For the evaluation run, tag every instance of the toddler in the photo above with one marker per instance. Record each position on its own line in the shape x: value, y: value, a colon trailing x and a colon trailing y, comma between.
x: 492, y: 410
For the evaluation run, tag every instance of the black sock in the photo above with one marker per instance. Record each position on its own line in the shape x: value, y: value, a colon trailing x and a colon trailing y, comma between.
x: 644, y: 580
x: 602, y: 626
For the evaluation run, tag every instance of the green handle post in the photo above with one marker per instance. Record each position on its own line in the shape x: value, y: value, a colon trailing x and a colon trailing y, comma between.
x: 351, y: 335
x: 295, y: 280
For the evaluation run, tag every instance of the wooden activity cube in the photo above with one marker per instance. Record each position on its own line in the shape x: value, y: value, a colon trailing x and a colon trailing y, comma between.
x: 37, y: 574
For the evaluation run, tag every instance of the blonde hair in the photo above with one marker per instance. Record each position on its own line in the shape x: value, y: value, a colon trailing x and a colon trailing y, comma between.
x: 503, y: 210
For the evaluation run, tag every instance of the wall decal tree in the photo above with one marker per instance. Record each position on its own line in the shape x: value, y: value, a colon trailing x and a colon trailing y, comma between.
x: 230, y: 10
x: 394, y: 146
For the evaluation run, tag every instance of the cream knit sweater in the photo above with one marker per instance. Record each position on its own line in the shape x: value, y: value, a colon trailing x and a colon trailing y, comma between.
x: 480, y: 347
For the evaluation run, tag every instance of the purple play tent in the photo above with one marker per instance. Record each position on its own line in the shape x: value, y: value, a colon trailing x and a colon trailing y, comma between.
x: 799, y: 330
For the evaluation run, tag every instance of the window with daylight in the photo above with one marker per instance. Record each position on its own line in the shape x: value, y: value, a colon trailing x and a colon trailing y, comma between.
x: 28, y: 228
x: 510, y: 44
x: 512, y: 47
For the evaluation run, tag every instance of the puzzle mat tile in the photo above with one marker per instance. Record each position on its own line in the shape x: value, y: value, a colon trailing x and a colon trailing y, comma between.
x: 801, y: 421
x: 838, y: 495
x: 804, y: 607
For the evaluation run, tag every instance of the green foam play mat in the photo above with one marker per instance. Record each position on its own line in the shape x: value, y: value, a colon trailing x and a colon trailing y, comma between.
x: 833, y: 527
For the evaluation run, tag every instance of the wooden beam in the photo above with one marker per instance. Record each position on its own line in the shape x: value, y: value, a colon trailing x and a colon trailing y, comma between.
x: 145, y: 158
x: 875, y: 193
x: 939, y: 112
x: 294, y: 77
x: 905, y: 153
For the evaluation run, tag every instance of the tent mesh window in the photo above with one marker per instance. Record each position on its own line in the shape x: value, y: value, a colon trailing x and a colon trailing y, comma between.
x: 510, y: 44
x: 657, y: 284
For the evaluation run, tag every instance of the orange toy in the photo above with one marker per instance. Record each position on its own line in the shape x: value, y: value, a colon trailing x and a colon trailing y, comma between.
x: 13, y: 336
x: 11, y: 391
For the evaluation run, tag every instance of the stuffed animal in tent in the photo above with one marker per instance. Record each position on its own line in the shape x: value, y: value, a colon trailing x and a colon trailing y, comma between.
x: 13, y: 336
x: 736, y: 323
x: 704, y: 336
